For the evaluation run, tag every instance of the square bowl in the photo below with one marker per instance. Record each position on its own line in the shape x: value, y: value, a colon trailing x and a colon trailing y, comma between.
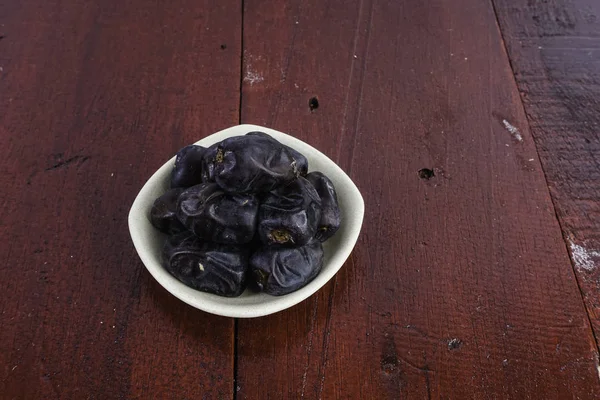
x: 148, y: 241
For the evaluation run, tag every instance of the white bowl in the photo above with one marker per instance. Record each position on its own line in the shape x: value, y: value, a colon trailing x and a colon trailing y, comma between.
x: 149, y: 242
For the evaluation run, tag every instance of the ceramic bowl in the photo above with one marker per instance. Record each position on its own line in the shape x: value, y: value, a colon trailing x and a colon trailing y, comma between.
x: 148, y: 241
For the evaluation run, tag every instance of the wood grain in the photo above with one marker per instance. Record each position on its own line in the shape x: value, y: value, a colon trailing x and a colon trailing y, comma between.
x: 94, y: 96
x: 555, y: 52
x: 460, y: 285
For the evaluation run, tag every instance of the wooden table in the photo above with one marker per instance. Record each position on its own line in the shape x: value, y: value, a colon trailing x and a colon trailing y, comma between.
x: 475, y: 278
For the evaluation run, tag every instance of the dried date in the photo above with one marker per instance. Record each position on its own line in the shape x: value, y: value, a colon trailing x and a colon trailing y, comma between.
x: 289, y: 214
x: 330, y: 211
x: 163, y: 212
x: 188, y: 167
x: 217, y: 216
x: 208, y: 267
x: 282, y: 270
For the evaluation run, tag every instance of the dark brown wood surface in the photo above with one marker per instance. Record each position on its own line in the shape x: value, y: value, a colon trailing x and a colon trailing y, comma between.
x: 555, y: 53
x: 460, y: 285
x: 94, y: 96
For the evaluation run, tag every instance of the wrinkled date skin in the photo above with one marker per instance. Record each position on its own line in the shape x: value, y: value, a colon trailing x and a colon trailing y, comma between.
x: 248, y: 164
x: 246, y: 195
x: 289, y: 215
x: 209, y: 267
x: 217, y: 216
x: 282, y: 270
x: 212, y: 156
x: 188, y: 167
x: 330, y: 211
x: 163, y: 213
x: 301, y: 161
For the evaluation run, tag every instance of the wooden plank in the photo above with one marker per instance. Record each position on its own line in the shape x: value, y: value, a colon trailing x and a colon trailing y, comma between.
x: 555, y: 51
x: 460, y: 285
x: 94, y: 97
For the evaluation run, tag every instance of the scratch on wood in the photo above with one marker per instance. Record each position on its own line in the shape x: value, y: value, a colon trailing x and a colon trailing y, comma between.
x: 427, y: 382
x: 309, y: 347
x: 68, y: 161
x: 362, y: 85
x: 30, y: 177
x: 418, y: 330
x: 424, y: 369
x: 346, y: 100
x: 583, y: 258
x: 284, y: 72
x: 326, y: 337
x: 513, y: 130
x: 288, y: 57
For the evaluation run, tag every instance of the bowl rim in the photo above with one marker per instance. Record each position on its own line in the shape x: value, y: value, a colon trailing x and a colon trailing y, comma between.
x: 137, y: 221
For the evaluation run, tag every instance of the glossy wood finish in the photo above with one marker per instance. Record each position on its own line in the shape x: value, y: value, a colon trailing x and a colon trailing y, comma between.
x: 460, y: 285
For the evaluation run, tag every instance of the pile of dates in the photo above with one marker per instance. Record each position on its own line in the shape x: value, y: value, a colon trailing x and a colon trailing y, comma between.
x: 245, y: 212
